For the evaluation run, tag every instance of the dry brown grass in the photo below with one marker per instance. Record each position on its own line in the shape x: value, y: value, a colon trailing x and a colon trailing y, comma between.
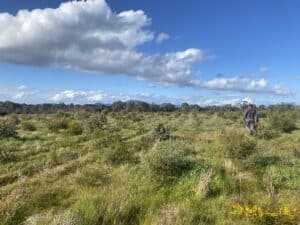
x: 170, y: 216
x: 203, y: 184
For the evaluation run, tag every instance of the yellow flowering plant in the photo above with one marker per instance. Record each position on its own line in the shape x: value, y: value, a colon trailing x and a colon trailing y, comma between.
x: 283, y: 215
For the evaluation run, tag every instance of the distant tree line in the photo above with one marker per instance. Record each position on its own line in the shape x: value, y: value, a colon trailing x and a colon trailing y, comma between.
x: 8, y: 107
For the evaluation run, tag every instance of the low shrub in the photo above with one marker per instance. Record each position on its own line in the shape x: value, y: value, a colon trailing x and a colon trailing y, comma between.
x: 238, y: 145
x: 13, y: 119
x: 7, y: 129
x: 285, y: 122
x: 168, y: 159
x: 161, y: 133
x: 28, y: 126
x: 57, y: 124
x: 96, y: 122
x: 75, y: 128
x: 267, y: 133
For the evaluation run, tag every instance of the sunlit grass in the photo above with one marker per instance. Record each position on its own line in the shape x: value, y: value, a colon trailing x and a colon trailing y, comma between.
x: 69, y: 169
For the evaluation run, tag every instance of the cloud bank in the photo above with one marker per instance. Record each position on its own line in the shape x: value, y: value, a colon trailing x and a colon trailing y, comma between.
x: 89, y: 36
x: 24, y: 94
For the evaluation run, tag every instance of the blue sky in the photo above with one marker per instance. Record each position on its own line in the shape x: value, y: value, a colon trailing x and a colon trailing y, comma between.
x: 204, y: 52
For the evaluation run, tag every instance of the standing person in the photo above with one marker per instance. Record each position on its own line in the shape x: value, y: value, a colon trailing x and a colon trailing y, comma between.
x: 250, y: 118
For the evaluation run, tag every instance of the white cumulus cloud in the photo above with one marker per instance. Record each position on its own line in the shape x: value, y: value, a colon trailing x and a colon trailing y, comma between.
x: 70, y: 96
x: 88, y: 36
x: 161, y: 37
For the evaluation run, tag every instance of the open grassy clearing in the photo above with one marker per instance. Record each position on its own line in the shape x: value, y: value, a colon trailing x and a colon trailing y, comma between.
x: 123, y: 168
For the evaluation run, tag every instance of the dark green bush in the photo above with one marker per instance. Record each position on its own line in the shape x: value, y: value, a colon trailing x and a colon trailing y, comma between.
x: 168, y: 159
x: 7, y: 129
x: 28, y: 126
x: 237, y: 145
x: 161, y: 132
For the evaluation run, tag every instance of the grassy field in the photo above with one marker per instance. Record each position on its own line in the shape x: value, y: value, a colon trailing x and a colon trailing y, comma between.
x: 149, y: 169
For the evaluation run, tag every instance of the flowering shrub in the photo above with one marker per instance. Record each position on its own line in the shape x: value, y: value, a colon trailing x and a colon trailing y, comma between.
x: 259, y: 215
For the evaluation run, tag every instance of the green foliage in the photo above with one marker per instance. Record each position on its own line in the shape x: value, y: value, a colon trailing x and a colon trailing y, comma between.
x: 93, y: 176
x: 88, y: 210
x: 96, y: 122
x: 7, y: 129
x: 161, y: 133
x: 231, y: 115
x: 119, y: 152
x: 28, y: 126
x: 56, y: 124
x: 238, y: 145
x: 144, y: 143
x: 53, y: 158
x: 42, y: 199
x: 284, y: 122
x: 106, y: 138
x: 118, y: 172
x: 108, y: 209
x: 221, y: 183
x: 13, y: 119
x: 7, y: 154
x: 282, y: 177
x: 75, y: 128
x: 168, y: 159
x: 267, y: 132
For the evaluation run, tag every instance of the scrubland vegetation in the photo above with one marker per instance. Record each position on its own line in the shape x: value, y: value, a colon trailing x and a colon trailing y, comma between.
x: 149, y: 168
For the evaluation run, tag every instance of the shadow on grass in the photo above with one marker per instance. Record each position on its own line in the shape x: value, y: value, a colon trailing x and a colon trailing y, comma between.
x: 290, y: 129
x: 264, y: 161
x: 29, y: 138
